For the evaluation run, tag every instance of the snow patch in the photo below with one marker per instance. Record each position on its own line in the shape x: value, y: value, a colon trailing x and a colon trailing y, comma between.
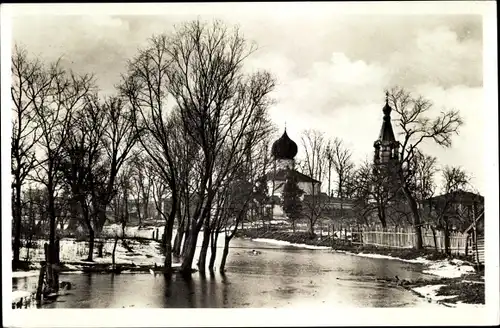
x: 419, y: 260
x: 18, y: 295
x: 286, y: 243
x: 461, y: 305
x: 449, y: 269
x: 22, y: 274
x: 72, y: 272
x: 430, y: 292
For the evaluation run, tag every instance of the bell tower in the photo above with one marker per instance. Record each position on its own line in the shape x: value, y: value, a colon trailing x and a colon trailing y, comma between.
x: 386, y: 146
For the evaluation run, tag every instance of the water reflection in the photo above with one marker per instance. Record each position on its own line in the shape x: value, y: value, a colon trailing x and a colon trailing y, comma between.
x: 277, y: 277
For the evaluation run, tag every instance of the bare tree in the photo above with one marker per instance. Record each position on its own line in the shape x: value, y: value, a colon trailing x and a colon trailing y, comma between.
x: 119, y: 138
x: 375, y: 192
x: 448, y: 205
x: 146, y: 87
x: 415, y: 127
x: 141, y: 177
x: 124, y: 189
x: 54, y: 115
x: 29, y: 82
x: 219, y: 223
x: 219, y: 106
x: 240, y: 195
x: 314, y: 166
x: 340, y: 158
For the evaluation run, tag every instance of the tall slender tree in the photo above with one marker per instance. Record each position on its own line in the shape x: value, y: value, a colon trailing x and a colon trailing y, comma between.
x: 219, y: 106
x: 54, y: 111
x: 416, y: 126
x: 29, y: 83
x: 314, y: 145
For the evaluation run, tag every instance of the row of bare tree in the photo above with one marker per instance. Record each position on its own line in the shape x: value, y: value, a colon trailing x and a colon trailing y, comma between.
x: 362, y: 193
x: 186, y: 127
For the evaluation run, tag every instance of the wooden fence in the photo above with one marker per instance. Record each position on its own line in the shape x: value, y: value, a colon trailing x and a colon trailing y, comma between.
x: 405, y: 237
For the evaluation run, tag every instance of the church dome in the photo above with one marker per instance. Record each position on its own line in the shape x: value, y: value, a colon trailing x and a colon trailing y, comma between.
x: 284, y: 148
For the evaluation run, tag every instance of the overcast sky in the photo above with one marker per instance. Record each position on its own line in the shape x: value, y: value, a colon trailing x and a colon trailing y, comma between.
x: 332, y: 68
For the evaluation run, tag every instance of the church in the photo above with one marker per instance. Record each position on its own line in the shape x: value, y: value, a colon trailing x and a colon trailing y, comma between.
x: 283, y: 151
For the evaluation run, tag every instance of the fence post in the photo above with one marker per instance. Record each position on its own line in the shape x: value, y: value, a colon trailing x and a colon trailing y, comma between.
x: 333, y: 234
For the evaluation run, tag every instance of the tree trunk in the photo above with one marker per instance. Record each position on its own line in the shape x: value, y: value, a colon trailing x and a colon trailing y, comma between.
x: 187, y: 263
x: 435, y: 239
x: 467, y: 245
x: 17, y: 224
x: 52, y: 219
x: 91, y: 243
x: 168, y: 248
x: 293, y: 226
x: 176, y: 251
x: 381, y: 215
x: 213, y: 249
x: 186, y: 237
x: 222, y: 267
x: 446, y: 237
x: 416, y: 217
x: 169, y: 227
x: 311, y: 228
x: 99, y: 249
x: 204, y: 246
x: 101, y: 217
x: 113, y: 254
x: 139, y: 217
x: 168, y: 257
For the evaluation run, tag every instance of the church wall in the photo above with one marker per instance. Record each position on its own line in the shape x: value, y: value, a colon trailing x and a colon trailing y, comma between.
x: 278, y: 187
x: 307, y: 187
x: 278, y: 211
x: 284, y: 164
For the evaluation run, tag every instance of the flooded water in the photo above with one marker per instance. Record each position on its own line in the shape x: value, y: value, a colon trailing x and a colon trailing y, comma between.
x: 280, y: 276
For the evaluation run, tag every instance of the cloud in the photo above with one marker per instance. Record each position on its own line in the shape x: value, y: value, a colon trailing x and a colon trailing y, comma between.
x: 332, y: 85
x: 438, y: 56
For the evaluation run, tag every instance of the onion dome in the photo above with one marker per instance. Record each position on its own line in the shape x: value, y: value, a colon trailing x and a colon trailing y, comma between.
x: 284, y: 148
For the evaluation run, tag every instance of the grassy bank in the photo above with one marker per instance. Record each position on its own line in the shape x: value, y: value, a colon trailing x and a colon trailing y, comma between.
x: 467, y: 290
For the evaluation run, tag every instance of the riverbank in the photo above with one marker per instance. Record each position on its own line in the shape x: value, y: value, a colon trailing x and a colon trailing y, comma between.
x: 457, y: 283
x: 460, y: 292
x: 133, y: 252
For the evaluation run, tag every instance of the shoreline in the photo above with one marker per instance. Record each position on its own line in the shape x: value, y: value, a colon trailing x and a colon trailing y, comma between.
x: 457, y: 284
